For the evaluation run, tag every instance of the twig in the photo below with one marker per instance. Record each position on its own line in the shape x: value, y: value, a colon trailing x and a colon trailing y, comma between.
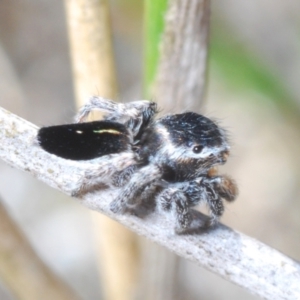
x: 234, y: 256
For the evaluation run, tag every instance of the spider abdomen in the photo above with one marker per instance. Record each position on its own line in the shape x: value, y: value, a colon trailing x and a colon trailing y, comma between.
x: 84, y: 141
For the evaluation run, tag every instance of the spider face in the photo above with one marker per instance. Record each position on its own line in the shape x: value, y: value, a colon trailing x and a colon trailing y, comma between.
x: 188, y: 143
x: 171, y: 159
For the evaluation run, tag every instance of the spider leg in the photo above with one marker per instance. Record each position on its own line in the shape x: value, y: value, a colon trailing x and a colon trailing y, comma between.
x: 144, y: 202
x: 182, y: 211
x: 95, y: 103
x: 181, y: 197
x: 100, y: 175
x: 134, y: 115
x: 119, y: 179
x: 226, y: 187
x: 129, y: 197
x: 216, y: 188
x: 175, y: 200
x: 148, y: 196
x: 215, y: 205
x: 203, y: 189
x: 178, y: 198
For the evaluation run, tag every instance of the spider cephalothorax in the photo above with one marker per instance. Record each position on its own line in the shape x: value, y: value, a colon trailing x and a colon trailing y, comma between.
x: 187, y: 145
x: 171, y: 163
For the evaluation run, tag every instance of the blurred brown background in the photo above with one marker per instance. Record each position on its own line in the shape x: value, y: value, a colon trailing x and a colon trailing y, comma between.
x: 253, y: 91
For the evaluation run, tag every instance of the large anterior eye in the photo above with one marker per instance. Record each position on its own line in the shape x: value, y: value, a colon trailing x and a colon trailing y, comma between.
x: 197, y: 149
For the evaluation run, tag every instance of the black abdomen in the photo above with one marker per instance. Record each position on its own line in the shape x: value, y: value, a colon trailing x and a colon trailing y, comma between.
x: 84, y: 141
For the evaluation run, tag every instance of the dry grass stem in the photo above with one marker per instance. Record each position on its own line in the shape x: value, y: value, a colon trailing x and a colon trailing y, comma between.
x: 92, y: 56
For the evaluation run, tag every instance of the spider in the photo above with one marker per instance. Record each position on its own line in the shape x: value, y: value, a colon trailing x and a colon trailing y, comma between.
x: 172, y: 162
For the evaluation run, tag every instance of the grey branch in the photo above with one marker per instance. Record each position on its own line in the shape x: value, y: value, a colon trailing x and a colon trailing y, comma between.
x: 181, y: 75
x: 234, y: 256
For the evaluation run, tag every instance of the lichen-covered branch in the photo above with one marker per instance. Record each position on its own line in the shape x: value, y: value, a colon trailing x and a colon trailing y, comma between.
x: 234, y: 256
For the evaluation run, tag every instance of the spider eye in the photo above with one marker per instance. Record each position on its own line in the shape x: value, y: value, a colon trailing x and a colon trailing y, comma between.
x: 197, y: 149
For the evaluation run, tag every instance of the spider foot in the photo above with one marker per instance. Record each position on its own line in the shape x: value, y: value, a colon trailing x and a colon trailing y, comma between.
x: 118, y: 206
x: 79, y: 192
x: 85, y: 189
x: 119, y: 179
x: 200, y: 223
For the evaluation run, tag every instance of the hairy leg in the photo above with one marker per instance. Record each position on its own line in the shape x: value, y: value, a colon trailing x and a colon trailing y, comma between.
x: 130, y: 195
x: 102, y: 172
x: 214, y: 189
x: 119, y: 179
x: 181, y: 197
x: 134, y: 115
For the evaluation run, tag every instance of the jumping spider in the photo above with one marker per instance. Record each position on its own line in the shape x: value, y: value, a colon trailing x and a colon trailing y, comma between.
x: 173, y: 158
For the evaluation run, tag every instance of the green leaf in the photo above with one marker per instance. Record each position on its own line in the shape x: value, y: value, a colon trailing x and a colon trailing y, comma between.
x: 154, y: 13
